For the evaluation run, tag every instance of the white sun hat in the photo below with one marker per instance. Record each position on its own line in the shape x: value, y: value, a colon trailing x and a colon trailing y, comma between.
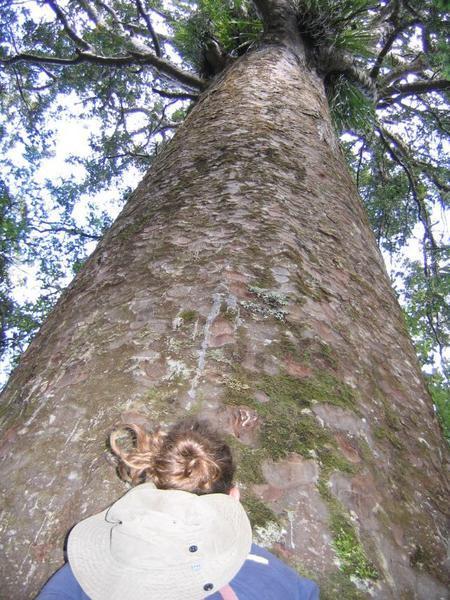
x: 160, y: 545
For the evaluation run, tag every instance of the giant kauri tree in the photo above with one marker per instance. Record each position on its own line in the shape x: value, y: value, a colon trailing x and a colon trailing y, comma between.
x: 242, y: 281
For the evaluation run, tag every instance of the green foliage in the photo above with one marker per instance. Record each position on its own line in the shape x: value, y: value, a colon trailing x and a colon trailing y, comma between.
x: 337, y: 24
x: 383, y: 185
x: 402, y: 182
x: 233, y: 24
x: 12, y: 224
x: 351, y: 108
x: 427, y: 310
x: 437, y: 22
x: 440, y: 392
x: 23, y: 320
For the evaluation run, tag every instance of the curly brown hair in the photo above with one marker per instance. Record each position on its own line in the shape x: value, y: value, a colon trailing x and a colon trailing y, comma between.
x: 190, y: 456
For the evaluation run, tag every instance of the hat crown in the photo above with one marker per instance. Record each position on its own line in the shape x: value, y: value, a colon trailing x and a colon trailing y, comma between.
x: 165, y: 544
x: 156, y: 538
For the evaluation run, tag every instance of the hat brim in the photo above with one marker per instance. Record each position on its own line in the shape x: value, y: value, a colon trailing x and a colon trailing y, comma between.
x: 103, y: 578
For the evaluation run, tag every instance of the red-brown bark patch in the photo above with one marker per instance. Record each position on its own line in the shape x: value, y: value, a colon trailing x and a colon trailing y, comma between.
x: 267, y: 493
x: 291, y: 472
x: 9, y: 438
x: 348, y: 448
x: 261, y: 397
x: 221, y: 333
x: 235, y: 276
x: 297, y: 369
x: 131, y: 417
x: 154, y: 370
x: 40, y: 552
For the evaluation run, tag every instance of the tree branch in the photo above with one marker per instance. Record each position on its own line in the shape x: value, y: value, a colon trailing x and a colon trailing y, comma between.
x: 358, y: 170
x: 416, y: 67
x: 400, y: 154
x: 126, y: 29
x: 129, y: 155
x: 398, y: 91
x: 106, y: 8
x: 79, y: 42
x: 421, y: 87
x: 24, y: 100
x: 432, y: 172
x: 410, y: 9
x: 49, y: 74
x: 56, y: 228
x: 388, y: 45
x: 91, y: 12
x: 429, y: 111
x: 135, y: 58
x: 174, y: 95
x: 145, y: 16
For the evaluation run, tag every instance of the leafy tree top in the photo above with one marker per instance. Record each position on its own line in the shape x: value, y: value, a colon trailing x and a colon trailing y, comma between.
x: 132, y: 67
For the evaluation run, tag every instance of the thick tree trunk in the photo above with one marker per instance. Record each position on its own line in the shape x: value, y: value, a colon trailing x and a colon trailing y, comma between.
x: 241, y: 283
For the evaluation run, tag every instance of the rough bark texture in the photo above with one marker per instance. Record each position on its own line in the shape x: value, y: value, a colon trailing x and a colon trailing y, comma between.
x: 242, y: 283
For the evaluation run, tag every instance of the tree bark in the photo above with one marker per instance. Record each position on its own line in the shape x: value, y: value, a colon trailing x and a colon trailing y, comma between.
x: 241, y: 283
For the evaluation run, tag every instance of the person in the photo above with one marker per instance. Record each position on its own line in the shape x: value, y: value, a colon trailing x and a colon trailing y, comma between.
x: 180, y: 533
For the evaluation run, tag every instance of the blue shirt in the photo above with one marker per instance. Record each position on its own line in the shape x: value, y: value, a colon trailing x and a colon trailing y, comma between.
x: 262, y: 577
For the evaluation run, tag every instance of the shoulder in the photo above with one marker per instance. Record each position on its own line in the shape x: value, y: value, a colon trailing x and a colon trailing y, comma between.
x: 62, y: 586
x: 264, y: 576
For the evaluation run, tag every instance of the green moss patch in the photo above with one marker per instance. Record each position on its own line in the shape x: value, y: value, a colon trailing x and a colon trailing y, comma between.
x: 349, y: 550
x: 384, y: 433
x: 346, y: 543
x: 312, y: 351
x: 391, y: 426
x: 133, y: 228
x: 161, y: 402
x: 288, y: 422
x: 288, y: 425
x: 265, y: 279
x: 258, y: 513
x: 248, y: 460
x: 326, y: 352
x: 287, y: 345
x: 322, y: 386
x: 220, y: 355
x: 228, y: 312
x: 422, y: 559
x: 338, y: 585
x: 188, y: 316
x: 310, y: 289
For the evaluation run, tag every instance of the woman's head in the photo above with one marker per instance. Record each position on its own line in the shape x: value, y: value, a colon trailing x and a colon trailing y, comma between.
x: 189, y: 456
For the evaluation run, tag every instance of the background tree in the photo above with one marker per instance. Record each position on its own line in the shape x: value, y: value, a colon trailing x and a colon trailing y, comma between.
x: 262, y: 306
